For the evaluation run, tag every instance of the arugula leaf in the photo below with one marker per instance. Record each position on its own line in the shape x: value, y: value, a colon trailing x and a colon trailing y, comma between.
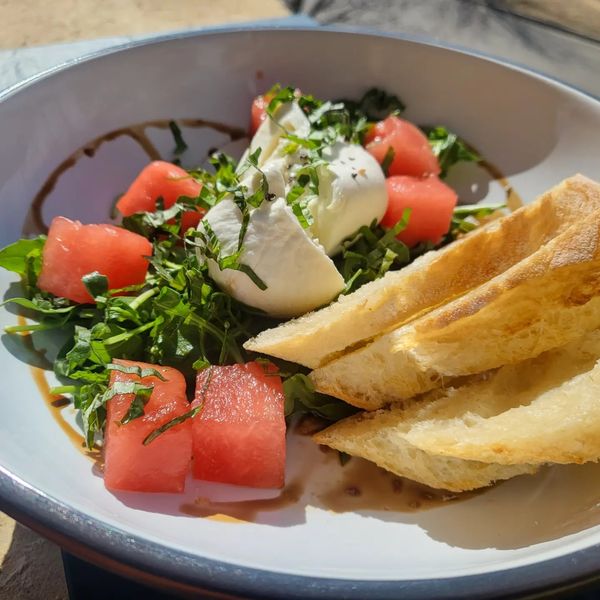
x: 465, y: 217
x: 42, y: 305
x: 16, y: 256
x: 300, y: 397
x: 24, y: 257
x: 449, y: 148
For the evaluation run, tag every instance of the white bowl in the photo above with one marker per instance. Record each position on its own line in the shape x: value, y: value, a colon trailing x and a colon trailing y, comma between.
x: 528, y: 534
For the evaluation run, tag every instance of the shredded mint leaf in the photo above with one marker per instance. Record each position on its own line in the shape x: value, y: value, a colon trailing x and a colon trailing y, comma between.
x: 477, y: 210
x: 180, y: 145
x: 388, y: 159
x: 371, y: 253
x: 96, y: 284
x: 141, y: 396
x: 135, y: 370
x: 172, y: 423
x: 279, y: 95
x: 180, y: 419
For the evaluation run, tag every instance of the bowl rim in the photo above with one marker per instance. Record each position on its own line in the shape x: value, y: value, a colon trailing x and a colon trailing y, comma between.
x: 154, y: 564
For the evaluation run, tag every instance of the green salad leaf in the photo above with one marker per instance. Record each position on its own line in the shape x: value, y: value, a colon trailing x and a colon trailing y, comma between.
x: 300, y: 397
x: 465, y: 217
x: 24, y: 257
x: 449, y: 148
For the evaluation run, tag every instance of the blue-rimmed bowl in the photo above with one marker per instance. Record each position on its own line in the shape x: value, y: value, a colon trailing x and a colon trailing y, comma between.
x: 526, y: 535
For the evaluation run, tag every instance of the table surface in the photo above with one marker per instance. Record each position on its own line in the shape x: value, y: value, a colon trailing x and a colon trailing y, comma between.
x: 31, y: 567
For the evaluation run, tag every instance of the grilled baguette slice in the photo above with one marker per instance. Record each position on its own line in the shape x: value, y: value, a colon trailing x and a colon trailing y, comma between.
x: 433, y: 279
x: 543, y: 410
x: 547, y: 410
x: 542, y: 302
x: 380, y: 436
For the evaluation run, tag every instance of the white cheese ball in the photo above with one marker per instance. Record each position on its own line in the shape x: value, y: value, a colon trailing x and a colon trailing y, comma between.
x: 298, y: 274
x: 352, y: 193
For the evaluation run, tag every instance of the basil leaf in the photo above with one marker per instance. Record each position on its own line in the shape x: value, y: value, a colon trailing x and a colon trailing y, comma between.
x: 172, y: 423
x: 96, y: 284
x: 142, y: 394
x: 136, y: 370
x: 180, y: 145
x: 388, y: 159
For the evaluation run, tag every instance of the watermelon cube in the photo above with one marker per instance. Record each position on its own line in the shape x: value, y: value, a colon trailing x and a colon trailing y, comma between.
x: 73, y: 250
x: 161, y: 465
x: 239, y: 435
x: 161, y: 179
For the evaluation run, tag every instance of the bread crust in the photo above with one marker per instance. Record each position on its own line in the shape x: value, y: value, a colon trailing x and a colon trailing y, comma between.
x: 435, y: 278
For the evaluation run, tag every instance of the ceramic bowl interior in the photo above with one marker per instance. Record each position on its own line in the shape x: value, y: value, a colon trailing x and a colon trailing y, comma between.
x: 535, y: 131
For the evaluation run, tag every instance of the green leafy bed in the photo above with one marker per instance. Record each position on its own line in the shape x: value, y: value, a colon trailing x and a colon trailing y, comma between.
x: 178, y: 317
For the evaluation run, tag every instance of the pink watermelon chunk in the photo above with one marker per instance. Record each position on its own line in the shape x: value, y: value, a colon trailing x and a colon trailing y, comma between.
x: 239, y: 435
x: 73, y: 250
x: 161, y: 465
x: 161, y: 179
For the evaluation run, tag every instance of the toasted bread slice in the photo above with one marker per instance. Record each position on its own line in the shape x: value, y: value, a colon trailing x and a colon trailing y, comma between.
x: 380, y: 436
x: 543, y: 302
x: 433, y: 279
x: 543, y: 410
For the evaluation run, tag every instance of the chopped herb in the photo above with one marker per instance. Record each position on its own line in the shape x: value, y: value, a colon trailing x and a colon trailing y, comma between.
x: 172, y: 423
x: 449, y: 148
x: 96, y: 284
x: 181, y: 418
x: 371, y: 253
x: 180, y: 145
x: 388, y: 159
x: 136, y: 370
x: 376, y: 105
x: 465, y: 218
x: 141, y: 396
